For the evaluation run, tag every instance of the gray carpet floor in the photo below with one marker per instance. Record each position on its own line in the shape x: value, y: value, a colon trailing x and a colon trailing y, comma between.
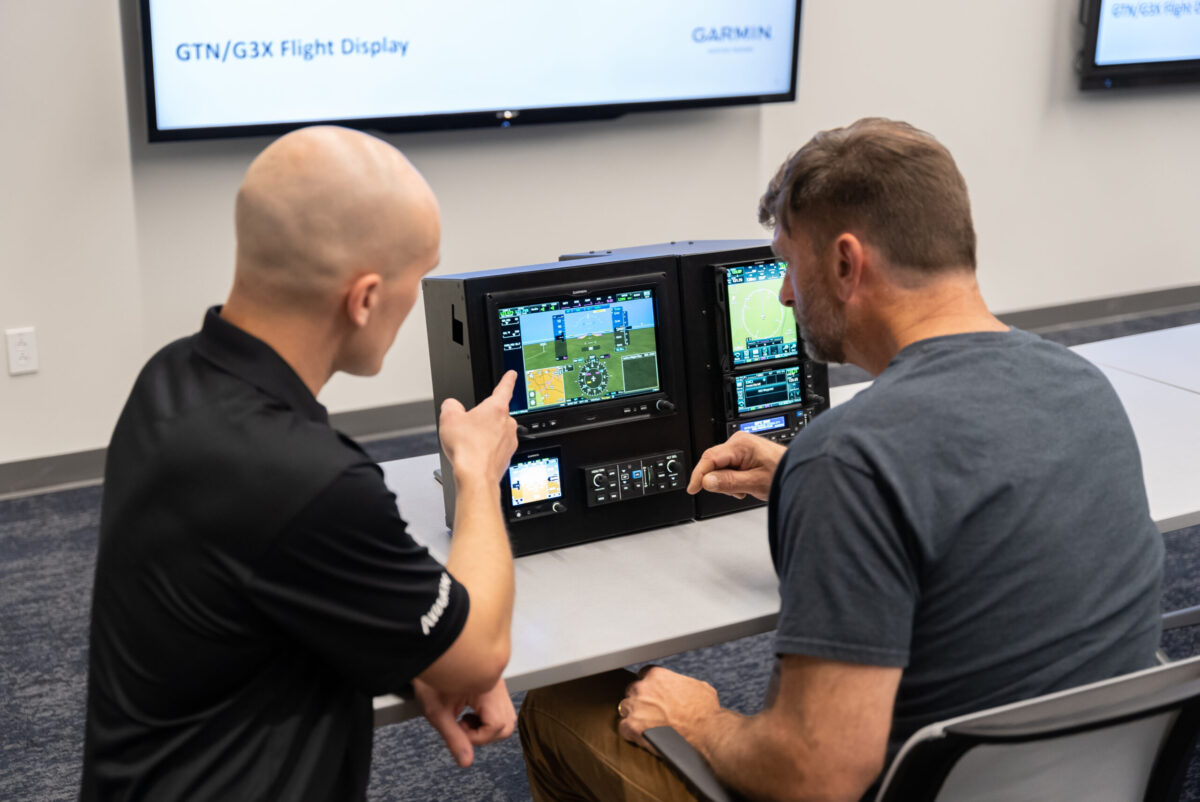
x: 47, y: 557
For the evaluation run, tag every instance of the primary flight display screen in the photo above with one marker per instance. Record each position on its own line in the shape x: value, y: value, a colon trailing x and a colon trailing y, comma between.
x: 760, y: 327
x: 570, y: 351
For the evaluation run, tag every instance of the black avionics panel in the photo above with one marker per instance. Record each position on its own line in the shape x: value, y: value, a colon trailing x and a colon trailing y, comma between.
x: 601, y: 393
x: 746, y: 365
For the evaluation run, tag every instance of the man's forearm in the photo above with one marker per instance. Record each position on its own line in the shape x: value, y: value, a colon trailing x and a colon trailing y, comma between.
x: 748, y: 756
x: 480, y: 556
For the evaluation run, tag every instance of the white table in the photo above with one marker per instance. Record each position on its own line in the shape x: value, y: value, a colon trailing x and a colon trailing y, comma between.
x: 1166, y: 423
x: 1170, y: 356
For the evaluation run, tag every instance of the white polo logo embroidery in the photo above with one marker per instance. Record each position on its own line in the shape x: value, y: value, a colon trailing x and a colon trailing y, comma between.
x: 430, y: 619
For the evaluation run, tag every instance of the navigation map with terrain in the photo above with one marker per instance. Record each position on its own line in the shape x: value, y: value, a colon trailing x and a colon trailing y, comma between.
x: 760, y: 327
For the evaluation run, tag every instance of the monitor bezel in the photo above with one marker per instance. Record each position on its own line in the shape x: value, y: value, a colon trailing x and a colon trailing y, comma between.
x: 1093, y: 76
x: 503, y: 117
x: 570, y: 416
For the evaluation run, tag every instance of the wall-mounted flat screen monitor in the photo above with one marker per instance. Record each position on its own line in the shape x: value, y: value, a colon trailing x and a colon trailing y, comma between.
x: 1139, y: 43
x: 232, y: 68
x: 760, y: 327
x: 570, y: 350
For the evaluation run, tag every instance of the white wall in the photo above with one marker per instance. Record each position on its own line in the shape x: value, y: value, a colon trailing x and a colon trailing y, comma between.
x: 112, y: 247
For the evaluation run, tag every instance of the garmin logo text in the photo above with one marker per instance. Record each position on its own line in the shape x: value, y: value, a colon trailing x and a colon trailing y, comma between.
x: 430, y: 619
x: 731, y: 33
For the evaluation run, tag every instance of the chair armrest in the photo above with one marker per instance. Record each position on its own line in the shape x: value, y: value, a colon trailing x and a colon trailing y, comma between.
x: 689, y: 764
x: 1187, y: 617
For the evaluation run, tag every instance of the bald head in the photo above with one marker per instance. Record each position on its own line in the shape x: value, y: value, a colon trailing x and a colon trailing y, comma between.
x: 322, y: 205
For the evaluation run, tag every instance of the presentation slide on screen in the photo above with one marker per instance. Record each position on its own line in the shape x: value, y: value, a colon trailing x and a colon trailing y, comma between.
x: 228, y: 62
x: 1136, y: 32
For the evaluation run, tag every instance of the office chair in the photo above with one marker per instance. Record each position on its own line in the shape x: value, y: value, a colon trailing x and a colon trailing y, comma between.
x: 1125, y: 739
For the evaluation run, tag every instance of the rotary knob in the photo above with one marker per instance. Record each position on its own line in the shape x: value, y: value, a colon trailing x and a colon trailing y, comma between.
x: 672, y: 466
x: 599, y: 480
x: 558, y: 506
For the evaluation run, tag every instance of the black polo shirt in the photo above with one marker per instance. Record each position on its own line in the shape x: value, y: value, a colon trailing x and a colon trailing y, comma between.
x: 255, y: 587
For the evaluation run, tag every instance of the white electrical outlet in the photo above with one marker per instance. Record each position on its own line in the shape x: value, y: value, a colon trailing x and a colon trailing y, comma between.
x: 22, y: 351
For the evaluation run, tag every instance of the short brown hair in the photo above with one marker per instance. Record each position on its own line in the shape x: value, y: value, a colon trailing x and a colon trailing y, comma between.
x: 894, y: 184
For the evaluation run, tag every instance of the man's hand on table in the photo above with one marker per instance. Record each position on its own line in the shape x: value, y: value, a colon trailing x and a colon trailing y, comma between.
x: 742, y: 465
x: 662, y: 698
x: 493, y: 718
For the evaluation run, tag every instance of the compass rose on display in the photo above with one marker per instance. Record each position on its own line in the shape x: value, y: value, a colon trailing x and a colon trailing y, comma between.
x: 593, y: 377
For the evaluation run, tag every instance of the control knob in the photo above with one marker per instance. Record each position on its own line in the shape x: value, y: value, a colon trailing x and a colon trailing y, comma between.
x: 558, y: 506
x: 672, y: 466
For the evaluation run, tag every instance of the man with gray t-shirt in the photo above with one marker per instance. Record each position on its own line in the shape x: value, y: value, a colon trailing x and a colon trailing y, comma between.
x: 977, y: 517
x: 969, y: 531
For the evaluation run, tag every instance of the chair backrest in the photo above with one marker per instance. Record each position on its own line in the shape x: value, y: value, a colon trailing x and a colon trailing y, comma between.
x: 1126, y: 739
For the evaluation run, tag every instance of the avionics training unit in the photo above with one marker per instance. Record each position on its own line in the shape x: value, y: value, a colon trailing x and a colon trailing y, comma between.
x: 612, y: 409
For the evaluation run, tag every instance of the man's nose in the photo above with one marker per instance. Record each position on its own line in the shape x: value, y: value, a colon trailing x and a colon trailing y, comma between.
x: 785, y: 293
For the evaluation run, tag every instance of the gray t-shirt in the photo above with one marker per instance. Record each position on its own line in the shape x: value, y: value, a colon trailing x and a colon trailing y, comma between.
x: 977, y: 517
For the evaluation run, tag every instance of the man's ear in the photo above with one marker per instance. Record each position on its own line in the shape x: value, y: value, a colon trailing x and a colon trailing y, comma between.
x: 850, y: 258
x: 362, y: 297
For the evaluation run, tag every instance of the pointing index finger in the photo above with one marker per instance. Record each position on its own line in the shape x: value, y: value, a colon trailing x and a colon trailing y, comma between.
x: 504, y: 389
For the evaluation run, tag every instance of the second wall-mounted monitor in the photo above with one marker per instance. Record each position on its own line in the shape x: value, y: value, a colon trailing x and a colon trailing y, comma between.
x: 1138, y: 43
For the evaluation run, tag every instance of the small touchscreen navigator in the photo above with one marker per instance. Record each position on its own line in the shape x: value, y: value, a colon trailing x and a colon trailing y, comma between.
x: 768, y: 389
x: 534, y: 480
x: 760, y: 328
x: 572, y: 351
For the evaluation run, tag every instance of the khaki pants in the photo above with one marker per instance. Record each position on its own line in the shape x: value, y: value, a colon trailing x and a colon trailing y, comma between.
x: 574, y: 752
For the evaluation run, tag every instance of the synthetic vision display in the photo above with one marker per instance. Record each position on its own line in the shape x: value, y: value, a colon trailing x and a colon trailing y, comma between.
x: 580, y: 350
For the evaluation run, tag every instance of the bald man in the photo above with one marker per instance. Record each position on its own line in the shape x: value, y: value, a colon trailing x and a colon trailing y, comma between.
x: 255, y: 585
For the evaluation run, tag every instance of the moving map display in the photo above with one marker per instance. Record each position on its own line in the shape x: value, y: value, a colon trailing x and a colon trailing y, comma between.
x: 760, y: 327
x: 579, y: 350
